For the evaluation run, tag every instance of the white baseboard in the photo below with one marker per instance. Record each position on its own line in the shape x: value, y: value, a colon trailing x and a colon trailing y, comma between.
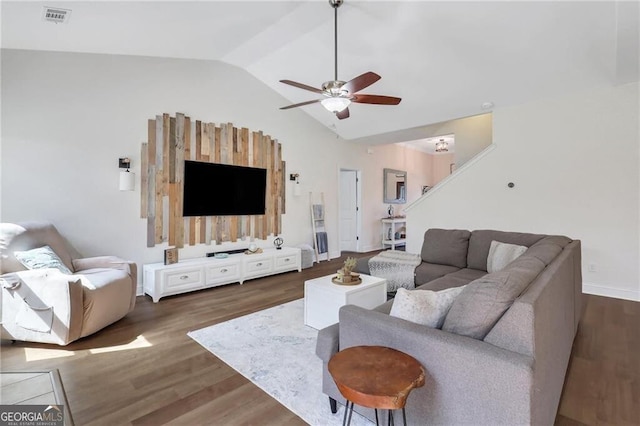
x: 599, y: 290
x: 139, y: 290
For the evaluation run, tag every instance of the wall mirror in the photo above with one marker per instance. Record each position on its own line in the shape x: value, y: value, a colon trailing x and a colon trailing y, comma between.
x: 395, y: 186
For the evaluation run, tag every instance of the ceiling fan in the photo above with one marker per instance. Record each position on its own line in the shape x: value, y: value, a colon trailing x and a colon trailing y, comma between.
x: 338, y: 94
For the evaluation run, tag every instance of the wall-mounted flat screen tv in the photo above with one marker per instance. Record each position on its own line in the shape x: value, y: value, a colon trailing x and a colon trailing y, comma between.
x: 212, y: 189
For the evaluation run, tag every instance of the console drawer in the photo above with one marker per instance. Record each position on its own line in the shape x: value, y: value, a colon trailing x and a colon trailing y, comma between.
x: 258, y: 266
x: 182, y: 279
x: 223, y: 273
x: 286, y: 262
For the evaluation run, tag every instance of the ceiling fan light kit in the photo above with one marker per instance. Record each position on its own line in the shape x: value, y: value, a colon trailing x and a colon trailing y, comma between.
x: 335, y: 104
x: 338, y: 95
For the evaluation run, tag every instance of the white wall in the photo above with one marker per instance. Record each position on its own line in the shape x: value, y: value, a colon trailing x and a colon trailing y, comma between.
x: 67, y: 118
x: 575, y: 164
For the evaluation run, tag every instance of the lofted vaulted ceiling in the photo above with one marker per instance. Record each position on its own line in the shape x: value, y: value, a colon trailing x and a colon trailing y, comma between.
x: 443, y: 58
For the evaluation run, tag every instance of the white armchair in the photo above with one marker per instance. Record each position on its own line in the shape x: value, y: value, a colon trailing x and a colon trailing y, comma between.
x: 50, y: 306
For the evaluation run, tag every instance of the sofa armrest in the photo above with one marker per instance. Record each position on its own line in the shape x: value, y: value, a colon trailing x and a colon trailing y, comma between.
x: 112, y: 262
x: 327, y: 343
x: 468, y: 380
x: 42, y: 305
x: 99, y: 262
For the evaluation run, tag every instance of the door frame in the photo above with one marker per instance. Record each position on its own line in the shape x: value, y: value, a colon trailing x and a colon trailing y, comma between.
x: 358, y: 206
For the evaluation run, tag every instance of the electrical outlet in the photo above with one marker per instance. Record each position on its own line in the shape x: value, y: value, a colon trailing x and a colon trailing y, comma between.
x: 593, y: 267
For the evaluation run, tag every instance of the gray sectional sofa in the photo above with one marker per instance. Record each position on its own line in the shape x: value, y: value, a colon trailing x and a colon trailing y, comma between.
x: 502, y: 352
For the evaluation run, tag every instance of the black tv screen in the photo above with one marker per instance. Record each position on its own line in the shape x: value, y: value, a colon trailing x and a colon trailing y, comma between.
x: 212, y: 189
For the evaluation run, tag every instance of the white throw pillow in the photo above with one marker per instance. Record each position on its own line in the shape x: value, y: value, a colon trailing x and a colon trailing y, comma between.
x: 41, y: 257
x: 501, y: 254
x: 424, y: 307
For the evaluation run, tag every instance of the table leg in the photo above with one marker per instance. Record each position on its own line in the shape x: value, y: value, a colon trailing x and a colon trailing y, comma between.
x: 347, y: 408
x: 404, y: 416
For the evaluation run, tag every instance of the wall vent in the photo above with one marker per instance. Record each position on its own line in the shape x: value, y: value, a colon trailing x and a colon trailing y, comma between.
x: 55, y: 14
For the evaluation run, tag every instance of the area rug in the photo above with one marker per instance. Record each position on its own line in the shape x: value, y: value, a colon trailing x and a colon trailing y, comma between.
x: 276, y: 351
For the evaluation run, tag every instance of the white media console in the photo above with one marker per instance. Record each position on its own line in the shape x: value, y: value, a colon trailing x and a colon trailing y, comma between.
x: 160, y: 280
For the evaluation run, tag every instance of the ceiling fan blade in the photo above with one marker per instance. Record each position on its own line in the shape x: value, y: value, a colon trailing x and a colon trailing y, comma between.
x: 376, y: 99
x: 361, y: 81
x: 301, y: 86
x: 301, y: 104
x: 343, y: 114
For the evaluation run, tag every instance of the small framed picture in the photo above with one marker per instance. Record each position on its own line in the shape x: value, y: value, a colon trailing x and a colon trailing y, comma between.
x: 170, y: 256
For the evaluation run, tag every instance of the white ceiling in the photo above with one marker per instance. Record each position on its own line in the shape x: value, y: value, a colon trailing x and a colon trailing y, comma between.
x: 443, y: 58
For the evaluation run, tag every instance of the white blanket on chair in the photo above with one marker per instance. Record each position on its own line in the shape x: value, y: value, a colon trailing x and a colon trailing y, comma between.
x: 397, y: 267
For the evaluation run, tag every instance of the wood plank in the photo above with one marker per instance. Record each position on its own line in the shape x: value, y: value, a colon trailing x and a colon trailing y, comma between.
x: 144, y: 181
x: 218, y: 138
x: 173, y: 217
x: 212, y: 141
x: 151, y: 231
x: 199, y: 132
x: 151, y: 182
x: 172, y: 149
x: 205, y: 230
x: 222, y: 148
x: 229, y: 221
x: 205, y: 146
x: 181, y: 141
x: 194, y: 230
x: 266, y: 157
x: 166, y: 132
x: 191, y: 155
x: 159, y: 180
x: 250, y: 219
x: 243, y: 222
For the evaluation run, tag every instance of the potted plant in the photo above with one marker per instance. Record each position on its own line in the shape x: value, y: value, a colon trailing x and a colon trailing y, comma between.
x: 346, y: 273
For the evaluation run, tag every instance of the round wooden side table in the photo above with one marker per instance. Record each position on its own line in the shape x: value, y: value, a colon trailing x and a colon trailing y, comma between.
x: 375, y: 377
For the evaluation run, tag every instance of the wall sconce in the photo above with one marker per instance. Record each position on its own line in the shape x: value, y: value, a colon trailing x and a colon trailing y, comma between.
x: 127, y: 179
x: 296, y: 186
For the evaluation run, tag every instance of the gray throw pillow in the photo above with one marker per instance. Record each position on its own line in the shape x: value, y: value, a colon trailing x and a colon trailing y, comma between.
x: 502, y: 254
x: 424, y: 307
x: 446, y: 247
x: 483, y: 301
x: 41, y: 257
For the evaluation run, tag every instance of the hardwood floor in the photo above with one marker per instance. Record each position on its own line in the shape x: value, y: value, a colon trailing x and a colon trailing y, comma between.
x: 144, y: 370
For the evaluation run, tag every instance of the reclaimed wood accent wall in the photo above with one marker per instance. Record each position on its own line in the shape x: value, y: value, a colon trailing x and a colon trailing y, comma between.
x: 171, y: 140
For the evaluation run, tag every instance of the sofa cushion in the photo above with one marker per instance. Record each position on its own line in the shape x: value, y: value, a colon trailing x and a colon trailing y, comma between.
x: 41, y: 258
x: 446, y: 247
x: 426, y: 272
x: 483, y: 301
x: 362, y: 265
x: 443, y: 283
x: 467, y: 274
x: 501, y: 254
x: 480, y: 242
x: 424, y: 307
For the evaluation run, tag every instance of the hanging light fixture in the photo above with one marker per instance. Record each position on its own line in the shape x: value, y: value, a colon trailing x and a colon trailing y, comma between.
x: 335, y: 104
x: 442, y: 146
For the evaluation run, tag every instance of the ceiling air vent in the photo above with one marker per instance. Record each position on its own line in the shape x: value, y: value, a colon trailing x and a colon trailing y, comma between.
x: 55, y: 14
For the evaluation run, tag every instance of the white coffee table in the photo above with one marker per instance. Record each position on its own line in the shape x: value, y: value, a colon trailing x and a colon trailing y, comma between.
x: 323, y: 299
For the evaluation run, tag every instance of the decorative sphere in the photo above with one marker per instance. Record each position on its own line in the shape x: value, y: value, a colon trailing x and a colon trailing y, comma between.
x: 278, y: 243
